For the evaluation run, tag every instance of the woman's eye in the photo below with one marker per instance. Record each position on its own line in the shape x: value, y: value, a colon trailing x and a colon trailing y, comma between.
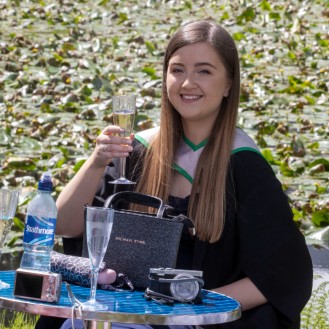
x: 204, y: 72
x: 177, y: 70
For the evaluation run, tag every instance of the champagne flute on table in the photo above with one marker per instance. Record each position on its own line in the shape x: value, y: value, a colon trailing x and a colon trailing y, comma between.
x: 8, y: 205
x: 123, y: 110
x: 99, y: 222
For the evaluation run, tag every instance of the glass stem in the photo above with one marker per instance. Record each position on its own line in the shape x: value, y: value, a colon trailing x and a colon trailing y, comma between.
x: 122, y: 167
x: 93, y: 285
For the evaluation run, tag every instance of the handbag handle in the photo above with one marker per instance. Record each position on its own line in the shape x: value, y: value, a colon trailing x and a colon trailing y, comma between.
x: 138, y: 198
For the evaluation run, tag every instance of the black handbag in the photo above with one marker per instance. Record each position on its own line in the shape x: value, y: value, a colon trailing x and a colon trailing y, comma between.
x: 140, y: 241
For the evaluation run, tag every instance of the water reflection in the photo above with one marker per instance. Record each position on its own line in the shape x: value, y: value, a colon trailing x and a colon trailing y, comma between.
x: 320, y: 256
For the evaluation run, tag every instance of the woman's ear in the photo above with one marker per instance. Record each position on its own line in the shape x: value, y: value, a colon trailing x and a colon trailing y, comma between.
x: 226, y: 92
x: 228, y: 88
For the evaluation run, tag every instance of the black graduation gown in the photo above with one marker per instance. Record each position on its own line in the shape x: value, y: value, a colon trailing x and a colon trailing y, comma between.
x: 260, y: 241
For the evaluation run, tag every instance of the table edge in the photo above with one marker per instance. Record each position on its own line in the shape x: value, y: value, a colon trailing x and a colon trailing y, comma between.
x: 108, y: 316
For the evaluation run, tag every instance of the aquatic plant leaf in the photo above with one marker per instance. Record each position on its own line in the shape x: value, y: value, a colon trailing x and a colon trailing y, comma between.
x: 320, y: 161
x: 12, y: 242
x: 247, y: 15
x: 150, y: 46
x: 21, y: 163
x: 286, y: 170
x: 265, y: 5
x: 78, y: 165
x: 19, y: 225
x: 30, y: 144
x: 320, y: 218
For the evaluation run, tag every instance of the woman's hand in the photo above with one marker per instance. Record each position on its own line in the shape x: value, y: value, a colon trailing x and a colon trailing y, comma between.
x: 110, y: 145
x: 107, y: 276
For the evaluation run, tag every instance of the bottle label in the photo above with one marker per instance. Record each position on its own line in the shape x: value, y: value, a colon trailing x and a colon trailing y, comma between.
x: 39, y: 230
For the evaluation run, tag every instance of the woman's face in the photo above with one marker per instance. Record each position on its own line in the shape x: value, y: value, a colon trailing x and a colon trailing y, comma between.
x: 197, y: 82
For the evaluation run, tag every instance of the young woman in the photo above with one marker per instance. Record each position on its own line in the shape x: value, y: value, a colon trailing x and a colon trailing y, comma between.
x: 199, y: 162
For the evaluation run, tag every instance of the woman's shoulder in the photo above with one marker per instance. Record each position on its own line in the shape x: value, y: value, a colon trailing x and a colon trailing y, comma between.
x: 247, y: 158
x: 243, y: 142
x: 144, y: 137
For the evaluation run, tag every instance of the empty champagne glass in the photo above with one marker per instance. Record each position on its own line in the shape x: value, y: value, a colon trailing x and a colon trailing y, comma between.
x: 8, y: 205
x: 123, y: 110
x: 99, y: 222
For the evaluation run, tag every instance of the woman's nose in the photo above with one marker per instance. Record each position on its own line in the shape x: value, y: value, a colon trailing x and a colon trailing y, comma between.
x: 188, y: 81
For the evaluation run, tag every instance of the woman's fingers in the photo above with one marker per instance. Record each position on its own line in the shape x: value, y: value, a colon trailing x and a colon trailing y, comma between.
x: 116, y: 150
x: 107, y: 276
x: 109, y: 145
x: 111, y: 135
x: 109, y: 130
x: 112, y: 139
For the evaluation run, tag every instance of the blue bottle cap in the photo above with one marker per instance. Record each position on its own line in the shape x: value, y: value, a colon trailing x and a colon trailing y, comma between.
x: 45, y: 183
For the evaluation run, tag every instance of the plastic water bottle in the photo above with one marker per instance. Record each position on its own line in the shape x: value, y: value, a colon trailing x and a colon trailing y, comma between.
x: 40, y: 224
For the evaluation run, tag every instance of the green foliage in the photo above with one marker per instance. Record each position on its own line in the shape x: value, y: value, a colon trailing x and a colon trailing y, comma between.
x: 321, y: 218
x: 248, y: 15
x: 78, y: 165
x: 316, y: 313
x: 150, y: 71
x: 17, y: 320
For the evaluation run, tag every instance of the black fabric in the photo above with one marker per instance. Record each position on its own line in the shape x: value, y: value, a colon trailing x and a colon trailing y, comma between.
x: 72, y: 246
x: 262, y: 242
x: 49, y: 322
x: 259, y: 241
x: 185, y: 251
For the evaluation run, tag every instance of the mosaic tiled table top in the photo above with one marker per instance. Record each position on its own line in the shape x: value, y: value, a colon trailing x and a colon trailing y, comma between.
x: 126, y: 306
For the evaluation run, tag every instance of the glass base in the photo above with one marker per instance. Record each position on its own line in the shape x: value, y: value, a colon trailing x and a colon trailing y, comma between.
x: 93, y: 306
x: 122, y: 180
x: 4, y: 285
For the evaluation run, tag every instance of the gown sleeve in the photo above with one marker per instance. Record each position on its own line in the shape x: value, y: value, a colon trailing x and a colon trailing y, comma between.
x: 274, y: 254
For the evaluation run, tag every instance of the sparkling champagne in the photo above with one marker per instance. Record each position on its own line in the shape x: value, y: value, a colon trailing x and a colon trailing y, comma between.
x: 125, y: 120
x: 123, y: 109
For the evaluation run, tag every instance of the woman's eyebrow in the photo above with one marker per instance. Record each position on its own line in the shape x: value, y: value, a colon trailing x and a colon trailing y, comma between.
x: 196, y: 64
x: 205, y: 64
x: 180, y: 64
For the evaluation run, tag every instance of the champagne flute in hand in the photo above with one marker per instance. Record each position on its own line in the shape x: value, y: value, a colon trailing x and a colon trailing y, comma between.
x: 99, y: 222
x: 8, y: 205
x: 123, y: 110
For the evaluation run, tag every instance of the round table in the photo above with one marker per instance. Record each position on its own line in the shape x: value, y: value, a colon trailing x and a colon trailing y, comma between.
x: 127, y: 307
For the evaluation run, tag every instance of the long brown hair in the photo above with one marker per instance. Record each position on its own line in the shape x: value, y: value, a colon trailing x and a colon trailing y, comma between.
x: 207, y: 200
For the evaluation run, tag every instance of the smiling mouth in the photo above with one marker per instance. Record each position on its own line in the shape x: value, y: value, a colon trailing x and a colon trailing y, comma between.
x: 191, y: 97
